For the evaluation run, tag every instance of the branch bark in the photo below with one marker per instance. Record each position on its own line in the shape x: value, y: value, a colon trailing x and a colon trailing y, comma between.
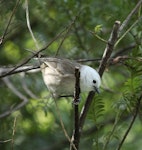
x: 75, y: 136
x: 107, y: 53
x: 6, y: 71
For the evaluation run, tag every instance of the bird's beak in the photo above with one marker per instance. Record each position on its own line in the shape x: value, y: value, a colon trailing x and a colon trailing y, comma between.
x: 97, y: 90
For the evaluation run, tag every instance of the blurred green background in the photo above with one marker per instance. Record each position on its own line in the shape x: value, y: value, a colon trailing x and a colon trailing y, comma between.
x: 36, y: 125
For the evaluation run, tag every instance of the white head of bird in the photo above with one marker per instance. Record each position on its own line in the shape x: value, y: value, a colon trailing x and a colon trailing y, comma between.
x: 59, y: 76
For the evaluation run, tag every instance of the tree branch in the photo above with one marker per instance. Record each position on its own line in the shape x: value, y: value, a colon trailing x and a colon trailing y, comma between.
x: 103, y: 64
x: 25, y: 87
x: 131, y: 123
x: 62, y: 125
x: 124, y: 50
x: 8, y: 70
x: 9, y: 21
x: 109, y: 47
x: 13, y: 133
x: 33, y: 69
x: 29, y: 25
x: 16, y: 92
x: 65, y: 35
x: 35, y: 54
x: 75, y: 136
x: 125, y: 22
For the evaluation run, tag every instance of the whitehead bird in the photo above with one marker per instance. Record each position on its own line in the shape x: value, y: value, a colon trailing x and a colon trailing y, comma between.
x: 59, y: 77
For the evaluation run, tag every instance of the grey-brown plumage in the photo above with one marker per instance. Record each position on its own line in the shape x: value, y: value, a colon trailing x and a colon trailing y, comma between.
x: 58, y: 75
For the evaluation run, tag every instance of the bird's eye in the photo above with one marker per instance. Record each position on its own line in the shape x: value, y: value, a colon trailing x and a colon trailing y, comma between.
x: 94, y: 81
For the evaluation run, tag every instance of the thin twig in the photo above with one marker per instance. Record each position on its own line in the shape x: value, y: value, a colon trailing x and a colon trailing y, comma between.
x: 131, y: 123
x: 17, y: 93
x: 5, y: 141
x: 124, y: 50
x: 65, y: 35
x: 33, y: 55
x: 125, y: 22
x: 13, y: 133
x: 29, y: 26
x: 9, y: 21
x: 112, y: 130
x: 129, y: 29
x: 28, y: 69
x: 76, y: 31
x: 97, y: 36
x: 25, y: 87
x: 63, y: 127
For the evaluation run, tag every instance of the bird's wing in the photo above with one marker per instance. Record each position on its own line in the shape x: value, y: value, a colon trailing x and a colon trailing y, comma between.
x: 62, y: 66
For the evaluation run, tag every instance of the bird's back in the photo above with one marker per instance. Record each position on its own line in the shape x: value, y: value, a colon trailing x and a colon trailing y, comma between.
x: 58, y: 75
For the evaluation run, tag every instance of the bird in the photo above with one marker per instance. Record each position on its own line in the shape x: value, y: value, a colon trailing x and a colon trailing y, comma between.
x: 59, y: 76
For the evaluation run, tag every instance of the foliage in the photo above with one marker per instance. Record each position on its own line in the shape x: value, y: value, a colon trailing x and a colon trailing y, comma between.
x: 87, y: 26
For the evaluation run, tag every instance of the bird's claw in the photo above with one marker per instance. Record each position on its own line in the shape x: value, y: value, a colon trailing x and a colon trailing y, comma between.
x: 76, y: 101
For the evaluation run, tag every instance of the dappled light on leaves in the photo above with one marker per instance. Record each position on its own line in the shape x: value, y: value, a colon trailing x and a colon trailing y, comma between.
x: 105, y: 36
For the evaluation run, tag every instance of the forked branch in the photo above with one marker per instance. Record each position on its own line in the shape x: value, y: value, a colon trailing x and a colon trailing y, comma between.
x: 107, y: 53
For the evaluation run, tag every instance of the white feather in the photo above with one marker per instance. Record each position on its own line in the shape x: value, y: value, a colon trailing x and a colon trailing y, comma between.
x: 87, y: 75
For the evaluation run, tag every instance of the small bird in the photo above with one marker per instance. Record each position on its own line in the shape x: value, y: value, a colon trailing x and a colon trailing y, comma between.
x: 59, y: 76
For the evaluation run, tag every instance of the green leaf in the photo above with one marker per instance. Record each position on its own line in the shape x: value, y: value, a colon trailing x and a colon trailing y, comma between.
x: 98, y: 28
